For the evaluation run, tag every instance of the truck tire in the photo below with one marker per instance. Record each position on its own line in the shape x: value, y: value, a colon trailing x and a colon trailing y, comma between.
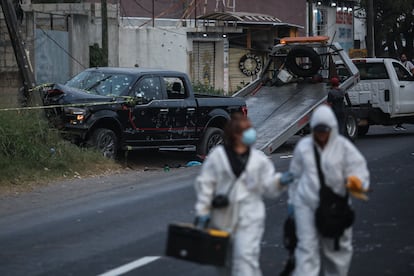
x: 351, y: 126
x: 363, y: 130
x: 211, y: 138
x: 105, y: 141
x: 301, y: 70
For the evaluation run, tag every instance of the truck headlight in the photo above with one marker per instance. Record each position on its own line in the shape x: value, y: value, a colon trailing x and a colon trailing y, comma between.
x: 76, y: 115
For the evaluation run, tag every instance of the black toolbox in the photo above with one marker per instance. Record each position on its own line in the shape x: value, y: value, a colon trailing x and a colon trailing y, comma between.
x: 204, y: 246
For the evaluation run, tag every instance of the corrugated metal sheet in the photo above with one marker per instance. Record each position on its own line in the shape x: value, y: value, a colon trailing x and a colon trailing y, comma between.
x: 247, y: 18
x: 244, y: 17
x: 51, y: 58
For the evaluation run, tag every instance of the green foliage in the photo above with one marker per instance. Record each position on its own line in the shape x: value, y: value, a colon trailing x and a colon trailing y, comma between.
x: 394, y: 27
x: 201, y: 88
x: 96, y: 56
x: 30, y: 150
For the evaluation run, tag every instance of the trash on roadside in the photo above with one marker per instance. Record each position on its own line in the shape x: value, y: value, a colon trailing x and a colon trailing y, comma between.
x: 193, y: 163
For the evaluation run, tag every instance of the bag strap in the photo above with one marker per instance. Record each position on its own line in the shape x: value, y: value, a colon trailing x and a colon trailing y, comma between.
x: 229, y: 161
x: 320, y: 173
x: 318, y: 165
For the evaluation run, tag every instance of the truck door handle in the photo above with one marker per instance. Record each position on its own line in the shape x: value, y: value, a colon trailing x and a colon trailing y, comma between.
x: 386, y: 95
x: 402, y: 85
x: 191, y: 109
x: 164, y: 110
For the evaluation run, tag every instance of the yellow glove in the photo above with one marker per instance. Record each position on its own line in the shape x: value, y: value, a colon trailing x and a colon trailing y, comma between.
x: 355, y: 188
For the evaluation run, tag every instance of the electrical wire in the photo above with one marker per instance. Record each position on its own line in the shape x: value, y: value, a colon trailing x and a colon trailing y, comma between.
x: 173, y: 7
x: 127, y: 18
x: 142, y: 7
x: 62, y: 48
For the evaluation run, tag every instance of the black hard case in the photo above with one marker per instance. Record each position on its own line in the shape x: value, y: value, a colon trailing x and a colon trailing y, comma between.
x: 189, y: 243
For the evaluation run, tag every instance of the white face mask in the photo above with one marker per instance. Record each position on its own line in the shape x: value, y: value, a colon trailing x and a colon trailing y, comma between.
x: 249, y: 136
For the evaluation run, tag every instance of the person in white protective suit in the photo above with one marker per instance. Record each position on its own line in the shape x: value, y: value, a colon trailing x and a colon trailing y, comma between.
x: 341, y: 164
x: 245, y: 174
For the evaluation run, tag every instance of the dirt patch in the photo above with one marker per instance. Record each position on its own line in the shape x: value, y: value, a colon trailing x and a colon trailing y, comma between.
x: 136, y: 161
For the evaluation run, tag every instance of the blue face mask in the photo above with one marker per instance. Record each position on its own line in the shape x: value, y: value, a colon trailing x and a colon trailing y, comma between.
x: 249, y: 136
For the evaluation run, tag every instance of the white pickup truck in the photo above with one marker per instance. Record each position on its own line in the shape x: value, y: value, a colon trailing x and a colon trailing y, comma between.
x: 384, y: 95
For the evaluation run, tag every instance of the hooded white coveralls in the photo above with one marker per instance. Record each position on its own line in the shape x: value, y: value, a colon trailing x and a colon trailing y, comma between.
x: 245, y: 216
x: 339, y: 159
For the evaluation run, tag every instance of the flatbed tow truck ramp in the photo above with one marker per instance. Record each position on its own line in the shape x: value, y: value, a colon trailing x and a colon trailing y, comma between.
x: 280, y: 106
x: 278, y: 114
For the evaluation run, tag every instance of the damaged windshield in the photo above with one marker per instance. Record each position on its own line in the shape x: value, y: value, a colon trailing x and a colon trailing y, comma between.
x: 102, y: 83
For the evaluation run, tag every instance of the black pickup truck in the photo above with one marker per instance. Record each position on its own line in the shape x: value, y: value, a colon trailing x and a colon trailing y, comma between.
x: 116, y: 109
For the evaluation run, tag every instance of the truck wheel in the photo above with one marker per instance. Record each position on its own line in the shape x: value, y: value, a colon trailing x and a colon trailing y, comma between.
x: 351, y: 126
x: 363, y: 130
x: 212, y: 137
x: 105, y: 141
x: 295, y: 65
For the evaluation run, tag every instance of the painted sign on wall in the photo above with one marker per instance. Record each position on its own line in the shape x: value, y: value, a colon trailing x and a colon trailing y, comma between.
x: 344, y: 31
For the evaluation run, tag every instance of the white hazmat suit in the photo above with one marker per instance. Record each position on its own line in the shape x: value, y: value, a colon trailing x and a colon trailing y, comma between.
x: 245, y: 216
x: 339, y: 160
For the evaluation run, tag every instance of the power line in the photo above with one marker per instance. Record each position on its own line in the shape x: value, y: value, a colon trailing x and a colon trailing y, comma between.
x: 123, y: 9
x: 142, y: 7
x: 62, y: 48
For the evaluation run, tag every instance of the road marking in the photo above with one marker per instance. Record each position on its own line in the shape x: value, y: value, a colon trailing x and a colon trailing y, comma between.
x: 286, y: 156
x: 130, y: 266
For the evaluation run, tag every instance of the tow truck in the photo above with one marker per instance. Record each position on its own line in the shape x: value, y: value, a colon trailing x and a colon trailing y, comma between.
x: 293, y: 82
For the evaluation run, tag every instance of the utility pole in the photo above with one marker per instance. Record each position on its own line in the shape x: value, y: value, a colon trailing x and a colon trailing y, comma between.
x: 104, y: 15
x: 370, y: 29
x: 22, y: 59
x: 310, y: 18
x: 195, y: 13
x: 153, y: 13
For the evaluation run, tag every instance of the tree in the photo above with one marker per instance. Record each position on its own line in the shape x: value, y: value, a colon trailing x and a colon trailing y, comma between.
x: 394, y: 27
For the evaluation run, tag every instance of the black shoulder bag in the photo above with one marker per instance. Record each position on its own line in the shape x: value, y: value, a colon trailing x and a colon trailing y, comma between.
x: 334, y: 214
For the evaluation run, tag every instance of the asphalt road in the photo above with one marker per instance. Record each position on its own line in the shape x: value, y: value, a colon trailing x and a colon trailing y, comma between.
x: 117, y: 224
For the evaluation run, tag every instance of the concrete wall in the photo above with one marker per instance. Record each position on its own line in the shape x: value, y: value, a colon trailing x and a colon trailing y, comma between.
x: 77, y: 46
x: 153, y: 47
x: 95, y: 30
x: 360, y: 32
x: 10, y: 82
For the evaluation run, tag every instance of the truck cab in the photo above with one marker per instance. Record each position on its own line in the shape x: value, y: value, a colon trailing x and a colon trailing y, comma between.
x: 384, y: 95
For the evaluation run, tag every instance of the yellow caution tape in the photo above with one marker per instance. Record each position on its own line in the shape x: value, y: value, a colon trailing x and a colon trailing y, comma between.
x: 128, y: 100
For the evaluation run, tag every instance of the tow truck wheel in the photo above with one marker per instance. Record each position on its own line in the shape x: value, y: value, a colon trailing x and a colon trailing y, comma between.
x: 105, y: 141
x: 212, y: 137
x: 295, y: 58
x: 351, y: 127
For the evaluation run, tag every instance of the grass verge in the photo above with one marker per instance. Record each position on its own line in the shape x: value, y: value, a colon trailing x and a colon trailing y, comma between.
x: 32, y: 152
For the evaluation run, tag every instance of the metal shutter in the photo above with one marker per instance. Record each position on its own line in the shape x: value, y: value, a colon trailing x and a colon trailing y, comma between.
x: 203, y: 62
